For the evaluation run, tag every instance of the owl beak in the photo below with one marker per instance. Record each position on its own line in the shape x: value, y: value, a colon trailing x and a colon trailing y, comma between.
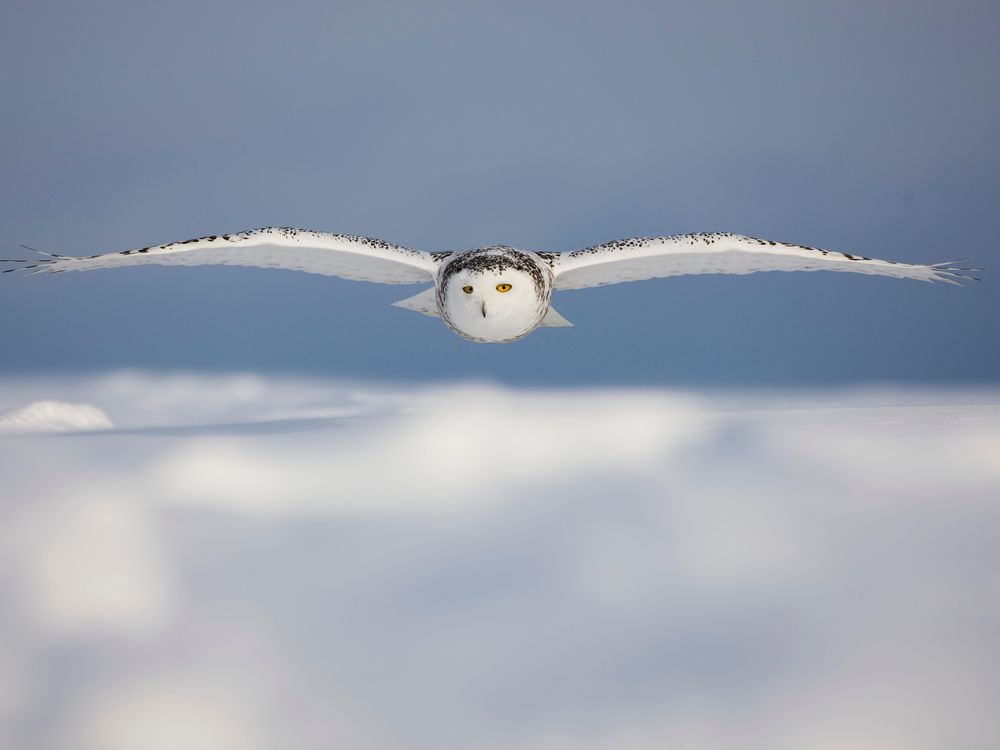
x: 483, y: 308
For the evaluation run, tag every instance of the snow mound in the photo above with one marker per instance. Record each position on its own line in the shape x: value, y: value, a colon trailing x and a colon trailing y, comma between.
x: 54, y: 416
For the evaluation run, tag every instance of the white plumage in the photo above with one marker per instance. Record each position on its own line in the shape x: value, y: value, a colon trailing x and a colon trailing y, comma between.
x: 493, y: 293
x: 721, y: 252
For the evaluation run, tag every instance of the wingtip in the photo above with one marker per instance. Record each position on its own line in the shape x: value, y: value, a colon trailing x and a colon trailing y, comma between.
x: 950, y: 273
x: 40, y: 252
x: 28, y: 267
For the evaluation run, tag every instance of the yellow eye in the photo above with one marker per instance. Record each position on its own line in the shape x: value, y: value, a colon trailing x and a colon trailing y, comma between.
x: 467, y: 289
x: 503, y: 287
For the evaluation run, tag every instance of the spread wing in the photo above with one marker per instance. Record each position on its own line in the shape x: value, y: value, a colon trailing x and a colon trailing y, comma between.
x: 720, y: 252
x: 346, y: 256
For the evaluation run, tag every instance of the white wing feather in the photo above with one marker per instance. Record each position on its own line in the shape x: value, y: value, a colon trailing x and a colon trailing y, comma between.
x: 678, y: 255
x: 346, y: 256
x: 424, y: 303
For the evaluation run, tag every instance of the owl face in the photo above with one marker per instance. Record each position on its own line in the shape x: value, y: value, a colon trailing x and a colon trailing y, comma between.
x: 497, y: 303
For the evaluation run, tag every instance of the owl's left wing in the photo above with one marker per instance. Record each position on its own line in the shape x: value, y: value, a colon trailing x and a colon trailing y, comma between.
x: 346, y: 256
x: 720, y: 252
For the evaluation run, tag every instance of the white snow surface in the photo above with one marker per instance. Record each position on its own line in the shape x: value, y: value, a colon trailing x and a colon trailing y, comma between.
x: 253, y: 562
x: 54, y: 416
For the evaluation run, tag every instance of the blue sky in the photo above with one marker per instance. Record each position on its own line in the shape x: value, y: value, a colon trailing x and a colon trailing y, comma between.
x: 869, y: 128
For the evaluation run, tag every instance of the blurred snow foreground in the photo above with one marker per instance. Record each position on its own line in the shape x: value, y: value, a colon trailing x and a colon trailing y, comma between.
x: 243, y: 562
x: 54, y: 416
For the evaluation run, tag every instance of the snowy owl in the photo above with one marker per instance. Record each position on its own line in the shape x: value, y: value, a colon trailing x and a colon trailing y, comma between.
x: 495, y: 293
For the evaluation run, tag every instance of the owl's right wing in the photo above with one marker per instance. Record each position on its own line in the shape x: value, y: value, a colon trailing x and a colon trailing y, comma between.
x: 346, y: 256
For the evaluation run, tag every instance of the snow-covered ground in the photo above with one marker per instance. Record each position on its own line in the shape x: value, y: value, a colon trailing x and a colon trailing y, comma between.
x: 238, y: 562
